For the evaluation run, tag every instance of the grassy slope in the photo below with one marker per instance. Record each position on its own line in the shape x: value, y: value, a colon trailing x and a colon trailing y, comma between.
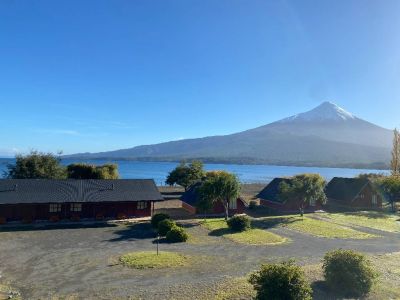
x: 312, y: 226
x: 251, y: 236
x: 370, y: 219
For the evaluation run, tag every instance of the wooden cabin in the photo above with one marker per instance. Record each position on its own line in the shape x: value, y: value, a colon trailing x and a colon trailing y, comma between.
x: 28, y: 200
x: 270, y: 197
x: 353, y: 192
x: 190, y: 198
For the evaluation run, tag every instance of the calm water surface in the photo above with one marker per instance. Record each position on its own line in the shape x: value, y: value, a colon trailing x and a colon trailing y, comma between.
x: 247, y: 173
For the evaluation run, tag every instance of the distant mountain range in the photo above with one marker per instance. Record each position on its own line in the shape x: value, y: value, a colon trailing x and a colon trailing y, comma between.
x: 324, y: 136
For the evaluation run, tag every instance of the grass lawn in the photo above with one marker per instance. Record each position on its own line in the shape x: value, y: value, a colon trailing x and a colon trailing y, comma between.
x: 150, y: 260
x: 218, y: 227
x: 312, y: 226
x: 370, y: 219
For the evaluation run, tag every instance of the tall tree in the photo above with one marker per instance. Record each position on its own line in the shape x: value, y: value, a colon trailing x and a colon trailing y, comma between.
x: 36, y: 165
x: 391, y: 188
x: 88, y: 171
x: 186, y: 174
x: 305, y: 189
x: 220, y: 187
x: 395, y: 162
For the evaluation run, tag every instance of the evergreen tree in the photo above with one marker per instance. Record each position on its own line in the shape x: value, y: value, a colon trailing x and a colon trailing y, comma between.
x: 395, y: 163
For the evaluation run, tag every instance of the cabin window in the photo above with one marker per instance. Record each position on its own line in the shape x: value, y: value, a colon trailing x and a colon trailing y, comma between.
x: 233, y: 204
x: 312, y: 202
x: 76, y: 206
x: 142, y: 205
x: 374, y: 200
x: 362, y: 196
x: 55, y: 207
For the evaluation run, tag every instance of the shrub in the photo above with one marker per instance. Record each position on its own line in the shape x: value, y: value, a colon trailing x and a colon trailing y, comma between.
x: 177, y: 235
x: 348, y: 272
x: 54, y: 219
x: 239, y: 223
x: 164, y: 226
x: 121, y: 216
x: 253, y: 204
x: 155, y: 219
x: 281, y: 281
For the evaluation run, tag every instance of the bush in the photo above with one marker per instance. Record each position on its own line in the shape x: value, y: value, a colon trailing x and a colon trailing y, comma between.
x: 155, y: 219
x: 281, y: 281
x: 177, y: 235
x: 348, y: 273
x: 253, y: 204
x: 164, y: 226
x: 239, y: 223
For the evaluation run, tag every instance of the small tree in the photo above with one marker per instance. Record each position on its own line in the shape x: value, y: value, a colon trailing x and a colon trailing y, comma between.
x: 186, y: 174
x: 391, y: 188
x: 88, y: 171
x: 281, y: 281
x: 220, y: 186
x: 304, y: 188
x: 36, y: 165
x: 395, y: 162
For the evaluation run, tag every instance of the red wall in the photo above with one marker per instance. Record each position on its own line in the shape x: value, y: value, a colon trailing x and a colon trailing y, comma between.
x: 112, y: 210
x: 220, y: 209
x: 361, y: 202
x: 291, y: 206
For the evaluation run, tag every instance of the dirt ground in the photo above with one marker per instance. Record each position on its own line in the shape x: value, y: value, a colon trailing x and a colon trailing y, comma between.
x: 83, y: 262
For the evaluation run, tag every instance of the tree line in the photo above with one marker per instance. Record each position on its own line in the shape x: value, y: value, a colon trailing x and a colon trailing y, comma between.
x: 40, y: 165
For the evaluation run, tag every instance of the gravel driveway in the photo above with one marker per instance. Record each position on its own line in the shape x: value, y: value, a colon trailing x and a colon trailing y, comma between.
x: 83, y: 261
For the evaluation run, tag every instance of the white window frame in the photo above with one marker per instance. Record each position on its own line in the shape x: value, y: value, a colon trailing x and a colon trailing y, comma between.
x: 55, y: 207
x: 76, y: 207
x: 374, y: 199
x: 141, y: 205
x: 233, y: 204
x: 313, y: 202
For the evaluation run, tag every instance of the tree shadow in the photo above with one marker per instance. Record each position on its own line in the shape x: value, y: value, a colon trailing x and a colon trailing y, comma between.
x: 133, y: 232
x: 220, y: 232
x: 35, y: 227
x: 273, y: 222
x: 322, y: 291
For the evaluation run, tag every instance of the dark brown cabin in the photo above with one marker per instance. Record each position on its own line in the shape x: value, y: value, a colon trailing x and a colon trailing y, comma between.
x: 270, y: 197
x: 190, y: 197
x: 353, y: 192
x: 28, y: 200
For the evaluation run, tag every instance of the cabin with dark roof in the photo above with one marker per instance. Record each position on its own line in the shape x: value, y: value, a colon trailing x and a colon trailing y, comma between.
x: 190, y: 199
x: 28, y: 200
x: 270, y: 197
x: 353, y: 192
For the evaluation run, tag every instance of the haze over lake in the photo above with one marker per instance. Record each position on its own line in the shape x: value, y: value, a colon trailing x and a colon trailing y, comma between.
x: 247, y: 173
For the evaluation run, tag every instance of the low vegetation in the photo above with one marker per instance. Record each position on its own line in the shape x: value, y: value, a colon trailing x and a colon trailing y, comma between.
x: 348, y: 273
x: 157, y: 218
x: 281, y: 281
x: 177, y: 235
x: 239, y: 223
x: 219, y: 227
x: 165, y: 225
x: 150, y: 260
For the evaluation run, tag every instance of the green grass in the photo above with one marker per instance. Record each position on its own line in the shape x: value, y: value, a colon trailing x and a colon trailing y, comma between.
x: 150, y: 260
x: 314, y: 227
x: 218, y: 227
x: 374, y: 220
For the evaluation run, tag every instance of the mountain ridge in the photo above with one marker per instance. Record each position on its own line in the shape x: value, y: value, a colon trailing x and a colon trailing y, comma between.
x: 327, y: 135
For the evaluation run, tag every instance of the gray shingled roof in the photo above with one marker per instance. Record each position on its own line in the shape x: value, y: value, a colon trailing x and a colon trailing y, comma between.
x: 45, y: 190
x: 271, y: 191
x: 345, y: 189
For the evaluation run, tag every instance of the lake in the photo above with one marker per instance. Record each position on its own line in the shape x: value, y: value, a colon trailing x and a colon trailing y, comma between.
x: 247, y: 173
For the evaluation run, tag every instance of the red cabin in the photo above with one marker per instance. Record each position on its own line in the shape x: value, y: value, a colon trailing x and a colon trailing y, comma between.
x: 28, y: 200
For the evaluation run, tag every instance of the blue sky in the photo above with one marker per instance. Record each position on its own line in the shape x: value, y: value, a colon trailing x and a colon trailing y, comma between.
x: 100, y: 75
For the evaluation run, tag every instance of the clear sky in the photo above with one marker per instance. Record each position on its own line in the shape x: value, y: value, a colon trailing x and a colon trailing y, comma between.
x: 81, y: 75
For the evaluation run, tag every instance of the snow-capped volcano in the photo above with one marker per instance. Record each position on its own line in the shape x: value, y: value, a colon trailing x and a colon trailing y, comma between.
x: 327, y: 111
x: 327, y: 135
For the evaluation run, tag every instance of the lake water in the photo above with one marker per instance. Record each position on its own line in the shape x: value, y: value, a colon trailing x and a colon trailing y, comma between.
x: 247, y: 173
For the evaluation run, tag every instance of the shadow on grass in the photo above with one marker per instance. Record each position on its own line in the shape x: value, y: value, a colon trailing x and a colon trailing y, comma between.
x: 220, y: 232
x: 368, y: 214
x: 35, y: 227
x: 136, y: 231
x: 322, y: 291
x: 273, y: 222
